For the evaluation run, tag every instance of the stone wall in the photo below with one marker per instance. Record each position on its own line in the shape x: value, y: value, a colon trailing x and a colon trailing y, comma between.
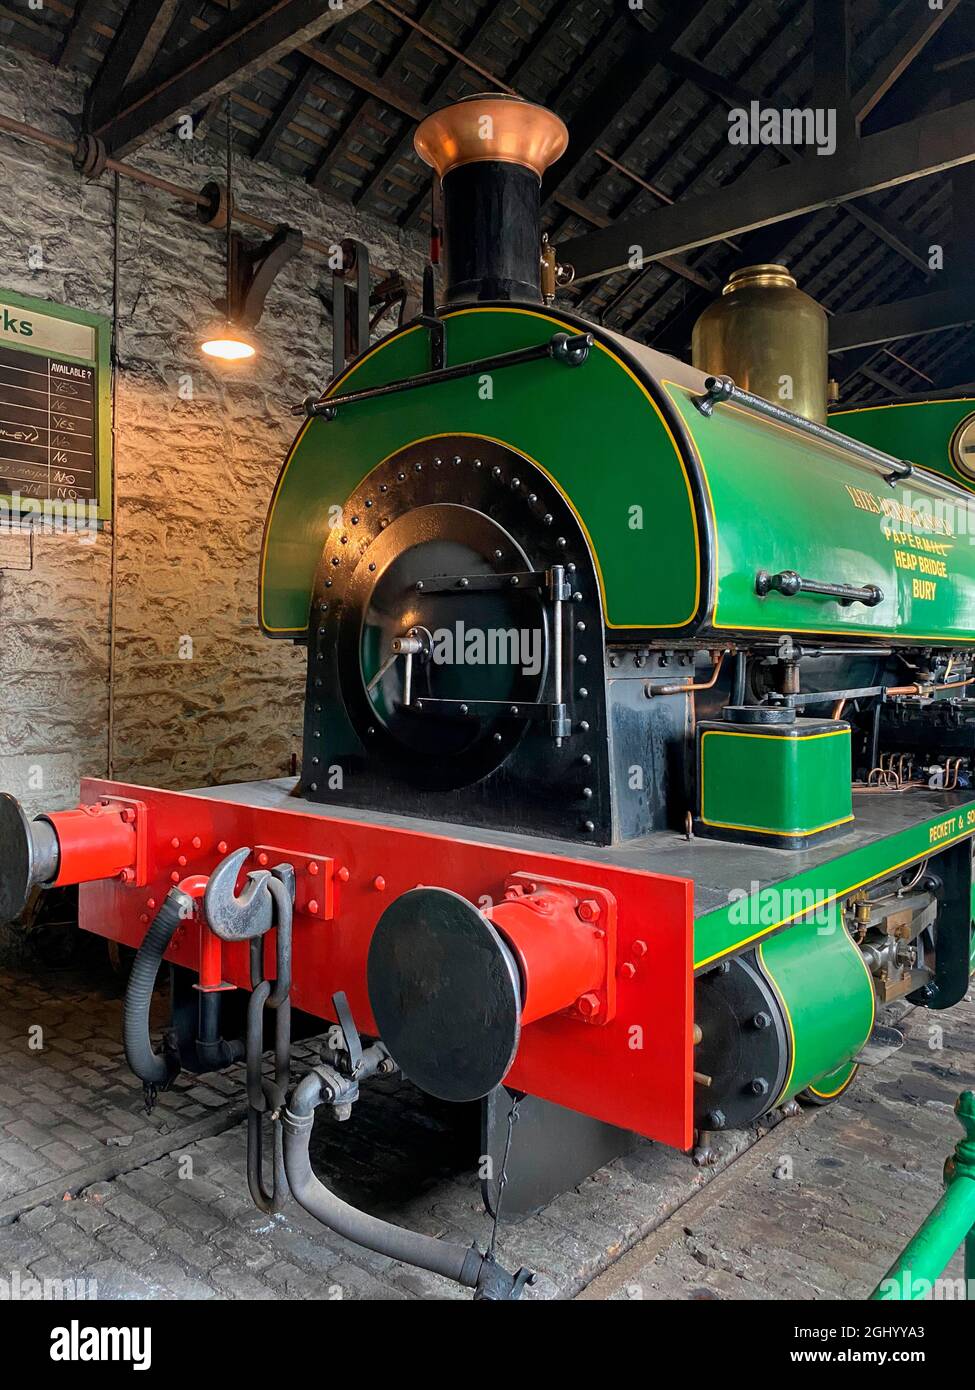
x: 198, y: 695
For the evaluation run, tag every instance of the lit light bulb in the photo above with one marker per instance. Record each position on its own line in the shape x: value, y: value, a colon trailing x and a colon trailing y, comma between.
x: 228, y: 343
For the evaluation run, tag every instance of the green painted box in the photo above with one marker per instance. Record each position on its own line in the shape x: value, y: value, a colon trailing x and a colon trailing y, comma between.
x: 785, y: 784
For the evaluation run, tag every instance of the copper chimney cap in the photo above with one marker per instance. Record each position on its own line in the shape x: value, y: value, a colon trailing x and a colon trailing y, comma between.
x: 491, y: 126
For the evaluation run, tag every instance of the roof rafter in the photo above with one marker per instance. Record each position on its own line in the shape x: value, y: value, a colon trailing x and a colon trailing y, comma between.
x: 79, y: 32
x: 928, y: 145
x: 251, y: 36
x: 431, y: 97
x: 920, y: 33
x: 290, y: 105
x: 138, y: 38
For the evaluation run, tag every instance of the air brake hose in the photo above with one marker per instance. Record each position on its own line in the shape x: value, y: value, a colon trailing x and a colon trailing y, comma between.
x: 464, y: 1264
x: 458, y: 1262
x: 152, y: 1068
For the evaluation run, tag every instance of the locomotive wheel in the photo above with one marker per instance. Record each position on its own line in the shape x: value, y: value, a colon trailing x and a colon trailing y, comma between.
x: 830, y: 1088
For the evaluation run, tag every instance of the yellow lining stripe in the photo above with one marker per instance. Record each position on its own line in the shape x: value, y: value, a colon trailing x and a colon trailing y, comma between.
x: 824, y: 1095
x: 822, y: 902
x: 866, y: 632
x: 559, y: 323
x: 900, y: 405
x: 790, y: 1027
x: 828, y: 1095
x: 964, y: 480
x: 764, y: 829
x: 267, y: 530
x: 279, y: 485
x: 795, y: 738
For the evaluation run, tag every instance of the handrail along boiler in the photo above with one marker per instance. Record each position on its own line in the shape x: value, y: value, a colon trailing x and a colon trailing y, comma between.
x: 638, y: 737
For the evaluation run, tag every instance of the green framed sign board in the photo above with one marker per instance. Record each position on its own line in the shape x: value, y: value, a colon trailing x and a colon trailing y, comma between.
x: 55, y: 409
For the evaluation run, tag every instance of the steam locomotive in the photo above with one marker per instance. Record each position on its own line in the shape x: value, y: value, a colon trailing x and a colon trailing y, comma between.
x: 638, y: 742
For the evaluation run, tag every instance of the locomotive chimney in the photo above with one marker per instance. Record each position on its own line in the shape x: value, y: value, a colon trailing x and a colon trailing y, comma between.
x: 490, y: 153
x: 769, y: 337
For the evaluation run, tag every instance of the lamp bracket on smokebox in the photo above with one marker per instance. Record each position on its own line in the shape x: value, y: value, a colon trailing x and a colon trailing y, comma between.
x: 350, y: 304
x: 357, y: 307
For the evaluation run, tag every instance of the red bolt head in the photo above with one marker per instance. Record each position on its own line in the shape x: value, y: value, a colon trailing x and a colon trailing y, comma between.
x: 144, y: 917
x: 181, y: 861
x: 150, y: 903
x: 342, y: 874
x: 128, y: 814
x: 174, y: 877
x: 222, y: 847
x: 175, y: 842
x: 588, y: 910
x: 639, y: 948
x: 196, y: 842
x: 313, y: 868
x: 313, y: 906
x: 588, y: 1005
x: 262, y: 858
x: 627, y: 970
x: 127, y: 875
x: 379, y: 883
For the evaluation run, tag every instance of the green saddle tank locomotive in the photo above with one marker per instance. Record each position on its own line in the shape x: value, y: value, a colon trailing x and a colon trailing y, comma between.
x: 638, y: 741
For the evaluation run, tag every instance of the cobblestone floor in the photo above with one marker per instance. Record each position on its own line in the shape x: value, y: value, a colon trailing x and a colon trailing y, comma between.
x: 67, y: 1101
x: 91, y: 1189
x: 830, y: 1203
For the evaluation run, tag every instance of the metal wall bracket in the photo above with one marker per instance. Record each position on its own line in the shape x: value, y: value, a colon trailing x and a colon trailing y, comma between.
x: 253, y: 269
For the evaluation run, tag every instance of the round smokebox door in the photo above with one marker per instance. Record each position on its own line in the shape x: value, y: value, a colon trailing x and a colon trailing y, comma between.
x: 445, y: 992
x: 421, y: 577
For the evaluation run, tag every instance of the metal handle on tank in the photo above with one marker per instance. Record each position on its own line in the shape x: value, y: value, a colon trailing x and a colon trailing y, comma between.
x: 718, y: 389
x: 789, y: 583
